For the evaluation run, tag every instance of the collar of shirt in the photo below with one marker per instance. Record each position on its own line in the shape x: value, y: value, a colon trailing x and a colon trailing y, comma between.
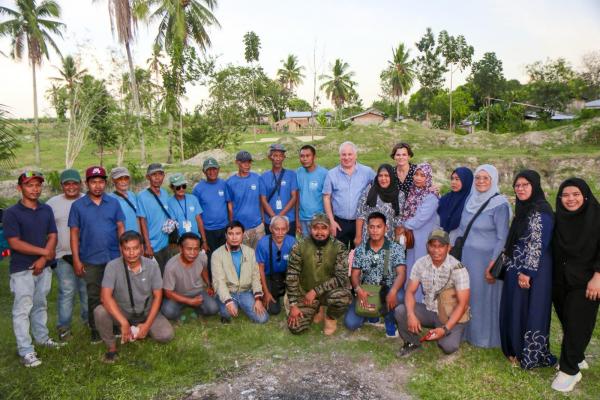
x: 88, y: 201
x: 386, y: 246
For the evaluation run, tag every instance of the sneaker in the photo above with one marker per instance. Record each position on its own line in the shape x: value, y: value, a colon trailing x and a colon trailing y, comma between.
x: 64, y: 334
x: 225, y: 320
x: 95, y: 337
x: 51, y: 344
x: 564, y: 382
x: 390, y: 329
x: 408, y: 349
x: 582, y: 365
x: 110, y: 357
x: 392, y: 335
x: 30, y: 360
x: 375, y: 322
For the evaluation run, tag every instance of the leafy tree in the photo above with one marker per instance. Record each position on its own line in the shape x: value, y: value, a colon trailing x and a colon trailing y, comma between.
x: 505, y: 117
x: 251, y: 54
x: 457, y: 55
x: 590, y: 75
x: 339, y: 86
x: 290, y: 75
x: 430, y: 71
x: 298, y: 104
x: 58, y: 97
x: 419, y: 104
x: 8, y: 141
x: 487, y: 78
x: 32, y: 25
x: 549, y: 83
x: 463, y: 102
x: 389, y: 107
x: 398, y: 77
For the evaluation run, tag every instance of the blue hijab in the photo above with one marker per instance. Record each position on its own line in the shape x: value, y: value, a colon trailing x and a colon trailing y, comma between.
x: 451, y: 204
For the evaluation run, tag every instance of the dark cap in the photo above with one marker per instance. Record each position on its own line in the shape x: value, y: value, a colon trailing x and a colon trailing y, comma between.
x: 440, y: 235
x: 154, y: 167
x: 95, y: 172
x: 276, y: 147
x: 30, y: 175
x: 70, y: 175
x: 243, y: 155
x: 209, y: 163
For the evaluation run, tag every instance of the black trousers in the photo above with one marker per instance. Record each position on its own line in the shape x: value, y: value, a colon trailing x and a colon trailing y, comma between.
x: 577, y: 315
x: 214, y: 239
x: 93, y: 282
x: 347, y: 232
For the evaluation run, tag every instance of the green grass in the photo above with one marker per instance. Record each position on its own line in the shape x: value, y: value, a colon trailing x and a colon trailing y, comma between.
x: 204, y: 350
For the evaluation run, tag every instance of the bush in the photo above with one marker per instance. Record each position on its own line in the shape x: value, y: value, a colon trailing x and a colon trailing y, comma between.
x: 588, y: 113
x: 593, y: 135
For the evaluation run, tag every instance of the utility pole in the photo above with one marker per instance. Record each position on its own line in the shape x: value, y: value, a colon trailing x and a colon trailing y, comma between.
x: 488, y: 113
x: 314, y: 117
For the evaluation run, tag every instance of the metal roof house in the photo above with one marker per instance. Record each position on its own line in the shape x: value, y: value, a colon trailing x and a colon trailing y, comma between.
x: 370, y: 117
x: 594, y: 104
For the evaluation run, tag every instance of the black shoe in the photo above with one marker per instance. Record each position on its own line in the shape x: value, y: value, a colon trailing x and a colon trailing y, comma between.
x: 408, y: 349
x: 95, y: 337
x: 225, y: 320
x: 117, y: 331
x: 64, y: 334
x: 110, y: 357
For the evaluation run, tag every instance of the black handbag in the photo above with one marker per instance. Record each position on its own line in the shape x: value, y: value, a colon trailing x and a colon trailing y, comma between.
x: 498, y: 270
x: 459, y: 243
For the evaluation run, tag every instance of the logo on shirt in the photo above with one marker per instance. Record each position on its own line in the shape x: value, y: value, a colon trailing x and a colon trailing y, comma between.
x: 286, y: 256
x: 253, y: 186
x: 313, y: 185
x: 221, y: 193
x: 192, y: 208
x: 283, y: 183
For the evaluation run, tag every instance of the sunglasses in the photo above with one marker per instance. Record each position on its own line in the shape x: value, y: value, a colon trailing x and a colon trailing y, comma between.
x: 30, y: 174
x: 278, y: 259
x: 184, y: 186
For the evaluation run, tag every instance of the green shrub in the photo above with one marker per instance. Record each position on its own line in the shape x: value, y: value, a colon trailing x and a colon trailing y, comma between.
x: 593, y: 135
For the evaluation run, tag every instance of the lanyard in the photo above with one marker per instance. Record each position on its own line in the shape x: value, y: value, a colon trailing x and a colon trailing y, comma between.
x: 184, y: 208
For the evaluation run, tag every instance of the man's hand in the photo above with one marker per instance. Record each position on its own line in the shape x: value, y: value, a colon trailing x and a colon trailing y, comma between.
x: 334, y: 228
x: 592, y: 291
x: 294, y: 317
x: 210, y: 291
x: 414, y: 325
x: 232, y: 309
x: 149, y: 252
x: 309, y: 298
x: 126, y: 333
x: 78, y: 268
x: 298, y: 228
x: 267, y: 299
x: 363, y: 296
x: 144, y: 328
x: 195, y: 301
x: 38, y: 266
x: 391, y: 300
x: 357, y: 240
x: 436, y: 334
x: 205, y: 247
x: 258, y: 307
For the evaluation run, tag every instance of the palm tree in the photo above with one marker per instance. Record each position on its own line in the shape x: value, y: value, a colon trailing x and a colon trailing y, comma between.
x: 124, y: 19
x: 291, y: 73
x: 8, y: 141
x: 339, y: 86
x: 181, y: 23
x: 400, y: 74
x: 155, y: 67
x: 29, y: 25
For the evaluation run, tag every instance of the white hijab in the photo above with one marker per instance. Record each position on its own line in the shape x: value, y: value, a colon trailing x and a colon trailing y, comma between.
x: 477, y: 198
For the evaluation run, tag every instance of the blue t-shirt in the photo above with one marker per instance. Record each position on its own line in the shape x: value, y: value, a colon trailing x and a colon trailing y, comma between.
x: 31, y: 226
x: 131, y: 220
x: 98, y: 235
x: 183, y: 210
x: 310, y: 186
x: 279, y: 262
x: 213, y: 198
x: 244, y: 194
x: 149, y: 209
x: 236, y: 257
x: 288, y: 185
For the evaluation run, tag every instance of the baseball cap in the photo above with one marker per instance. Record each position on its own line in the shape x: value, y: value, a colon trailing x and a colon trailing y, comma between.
x: 154, y: 167
x: 319, y: 218
x: 177, y: 179
x: 243, y: 155
x: 276, y: 147
x: 29, y: 175
x: 209, y: 163
x: 95, y: 172
x: 439, y: 234
x: 119, y: 172
x: 70, y: 175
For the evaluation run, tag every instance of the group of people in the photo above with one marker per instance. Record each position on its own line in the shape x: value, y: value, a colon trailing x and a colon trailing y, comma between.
x: 322, y: 244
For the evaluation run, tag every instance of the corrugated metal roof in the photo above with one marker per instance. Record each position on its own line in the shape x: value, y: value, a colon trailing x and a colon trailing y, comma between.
x: 298, y: 114
x: 593, y: 104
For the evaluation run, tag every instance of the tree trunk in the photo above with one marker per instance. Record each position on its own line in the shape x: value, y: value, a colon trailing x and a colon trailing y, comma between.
x: 101, y: 153
x: 68, y: 163
x: 397, y: 108
x: 36, y: 127
x: 450, y: 126
x: 136, y: 104
x: 181, y: 135
x: 170, y: 124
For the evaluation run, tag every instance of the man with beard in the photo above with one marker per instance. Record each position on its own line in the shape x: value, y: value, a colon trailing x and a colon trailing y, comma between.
x: 317, y: 277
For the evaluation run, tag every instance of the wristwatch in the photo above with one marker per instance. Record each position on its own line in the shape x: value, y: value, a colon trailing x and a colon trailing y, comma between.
x: 446, y: 330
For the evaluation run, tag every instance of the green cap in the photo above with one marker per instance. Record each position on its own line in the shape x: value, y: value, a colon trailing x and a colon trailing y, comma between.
x: 70, y: 175
x: 209, y: 163
x: 319, y: 218
x: 177, y: 179
x: 439, y: 234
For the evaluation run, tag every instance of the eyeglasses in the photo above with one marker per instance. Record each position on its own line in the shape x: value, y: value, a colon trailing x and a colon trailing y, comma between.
x: 184, y: 186
x: 522, y: 186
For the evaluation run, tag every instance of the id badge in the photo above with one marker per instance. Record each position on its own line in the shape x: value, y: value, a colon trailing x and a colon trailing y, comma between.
x: 187, y: 226
x: 278, y: 205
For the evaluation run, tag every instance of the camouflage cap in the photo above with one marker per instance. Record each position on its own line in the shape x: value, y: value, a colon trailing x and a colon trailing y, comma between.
x: 439, y: 235
x: 319, y: 218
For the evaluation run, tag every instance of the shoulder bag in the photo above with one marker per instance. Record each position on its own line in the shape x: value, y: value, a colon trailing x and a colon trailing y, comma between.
x: 135, y: 318
x: 447, y: 301
x: 174, y: 234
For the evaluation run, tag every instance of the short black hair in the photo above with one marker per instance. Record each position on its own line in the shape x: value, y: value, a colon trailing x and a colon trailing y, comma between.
x: 234, y: 224
x: 402, y: 145
x: 188, y: 235
x: 129, y: 236
x: 309, y: 147
x: 376, y: 215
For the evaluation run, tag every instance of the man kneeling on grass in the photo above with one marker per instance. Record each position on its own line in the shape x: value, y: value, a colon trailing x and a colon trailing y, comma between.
x: 317, y: 277
x: 445, y: 284
x: 131, y: 295
x: 186, y: 280
x: 236, y: 278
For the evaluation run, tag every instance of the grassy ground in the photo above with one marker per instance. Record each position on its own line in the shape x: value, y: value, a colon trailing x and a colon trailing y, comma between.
x: 205, y: 350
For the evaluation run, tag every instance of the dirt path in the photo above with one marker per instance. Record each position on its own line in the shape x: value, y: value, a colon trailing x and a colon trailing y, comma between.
x: 319, y: 377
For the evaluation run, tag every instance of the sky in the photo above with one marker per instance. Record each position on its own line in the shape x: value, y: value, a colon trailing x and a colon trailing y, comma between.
x: 362, y: 33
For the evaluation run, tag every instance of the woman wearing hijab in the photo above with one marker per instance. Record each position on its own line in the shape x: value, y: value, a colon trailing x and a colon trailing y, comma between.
x: 419, y: 215
x: 482, y: 246
x: 526, y: 304
x: 576, y: 286
x: 452, y: 204
x: 381, y: 195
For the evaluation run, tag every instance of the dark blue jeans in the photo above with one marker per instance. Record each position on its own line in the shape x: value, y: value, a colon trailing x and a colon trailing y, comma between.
x: 245, y: 301
x: 354, y: 321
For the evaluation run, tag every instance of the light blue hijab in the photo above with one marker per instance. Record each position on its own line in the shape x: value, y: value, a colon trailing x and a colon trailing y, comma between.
x: 477, y: 198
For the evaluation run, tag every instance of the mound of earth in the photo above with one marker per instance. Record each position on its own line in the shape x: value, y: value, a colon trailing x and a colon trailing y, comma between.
x: 309, y: 377
x: 218, y: 154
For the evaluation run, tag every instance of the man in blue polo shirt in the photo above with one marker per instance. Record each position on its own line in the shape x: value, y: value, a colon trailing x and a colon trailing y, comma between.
x: 185, y: 208
x: 278, y: 189
x: 96, y: 221
x: 154, y: 213
x: 273, y: 262
x: 121, y: 179
x: 244, y: 199
x: 212, y: 194
x: 341, y: 191
x: 311, y: 178
x: 30, y: 230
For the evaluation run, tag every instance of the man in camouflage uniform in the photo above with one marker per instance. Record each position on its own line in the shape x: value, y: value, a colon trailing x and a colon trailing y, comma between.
x: 317, y: 277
